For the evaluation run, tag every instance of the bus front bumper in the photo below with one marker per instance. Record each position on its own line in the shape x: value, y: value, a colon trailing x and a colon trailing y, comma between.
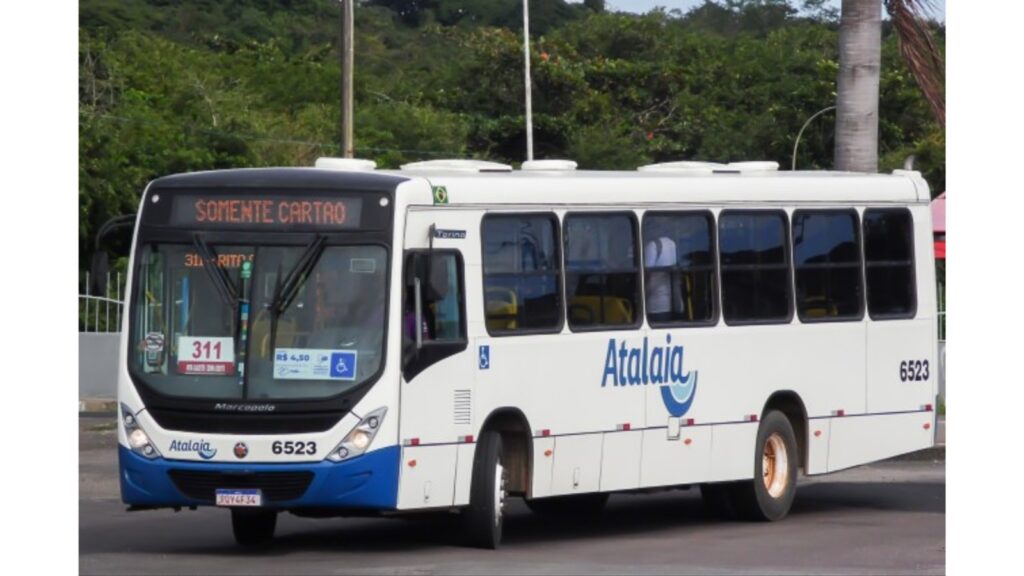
x: 366, y: 482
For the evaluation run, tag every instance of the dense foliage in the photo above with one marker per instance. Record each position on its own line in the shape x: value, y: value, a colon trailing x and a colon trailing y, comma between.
x: 178, y: 85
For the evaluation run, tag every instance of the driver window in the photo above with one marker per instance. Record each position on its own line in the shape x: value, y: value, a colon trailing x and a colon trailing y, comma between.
x: 440, y: 294
x: 442, y: 324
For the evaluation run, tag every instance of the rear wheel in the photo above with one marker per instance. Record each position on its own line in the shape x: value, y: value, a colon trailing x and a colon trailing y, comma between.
x: 482, y: 520
x: 569, y: 506
x: 770, y: 495
x: 253, y: 527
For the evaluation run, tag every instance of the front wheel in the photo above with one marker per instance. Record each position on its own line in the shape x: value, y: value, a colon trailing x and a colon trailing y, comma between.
x: 770, y: 495
x: 482, y: 520
x: 253, y: 527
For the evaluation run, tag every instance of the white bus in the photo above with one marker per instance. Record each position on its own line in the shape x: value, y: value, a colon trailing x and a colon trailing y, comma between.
x: 340, y: 340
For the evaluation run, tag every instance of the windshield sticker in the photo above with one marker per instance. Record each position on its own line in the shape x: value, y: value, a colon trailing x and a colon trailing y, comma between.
x: 309, y: 364
x: 362, y: 266
x: 154, y: 342
x: 206, y: 356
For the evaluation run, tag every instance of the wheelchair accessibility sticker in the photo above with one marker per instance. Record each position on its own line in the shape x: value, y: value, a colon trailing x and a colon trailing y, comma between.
x: 485, y: 357
x: 310, y: 364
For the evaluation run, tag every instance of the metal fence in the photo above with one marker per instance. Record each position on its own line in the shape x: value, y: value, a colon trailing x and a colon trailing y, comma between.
x: 101, y: 313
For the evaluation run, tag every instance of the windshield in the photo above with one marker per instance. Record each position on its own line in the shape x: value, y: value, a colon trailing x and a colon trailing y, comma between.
x: 258, y: 322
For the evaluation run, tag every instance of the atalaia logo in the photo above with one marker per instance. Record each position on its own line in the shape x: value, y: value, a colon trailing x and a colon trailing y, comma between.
x: 626, y: 365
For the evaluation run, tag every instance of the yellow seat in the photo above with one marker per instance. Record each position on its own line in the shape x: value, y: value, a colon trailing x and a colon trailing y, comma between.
x: 588, y: 309
x: 501, y: 308
x: 819, y: 308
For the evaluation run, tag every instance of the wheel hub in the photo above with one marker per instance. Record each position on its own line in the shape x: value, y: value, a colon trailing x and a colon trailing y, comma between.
x: 499, y: 493
x: 775, y: 466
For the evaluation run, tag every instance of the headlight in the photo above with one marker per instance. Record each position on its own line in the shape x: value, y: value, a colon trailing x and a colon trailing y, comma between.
x: 359, y: 439
x: 137, y: 437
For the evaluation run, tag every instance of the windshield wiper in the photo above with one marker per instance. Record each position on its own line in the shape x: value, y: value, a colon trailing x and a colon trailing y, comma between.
x: 287, y: 291
x: 217, y: 274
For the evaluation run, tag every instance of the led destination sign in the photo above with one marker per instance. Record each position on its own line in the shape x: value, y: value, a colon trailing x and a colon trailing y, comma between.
x: 258, y: 212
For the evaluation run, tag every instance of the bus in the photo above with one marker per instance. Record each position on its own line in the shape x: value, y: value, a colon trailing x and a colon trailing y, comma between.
x: 347, y: 341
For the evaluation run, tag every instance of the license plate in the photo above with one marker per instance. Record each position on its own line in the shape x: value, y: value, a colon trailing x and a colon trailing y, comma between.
x: 233, y: 497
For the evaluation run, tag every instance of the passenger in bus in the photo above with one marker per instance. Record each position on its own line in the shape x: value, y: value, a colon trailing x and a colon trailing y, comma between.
x: 663, y: 298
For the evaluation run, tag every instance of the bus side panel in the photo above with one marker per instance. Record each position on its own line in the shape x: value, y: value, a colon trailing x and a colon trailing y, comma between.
x: 901, y: 366
x: 620, y: 460
x: 427, y: 476
x: 682, y: 460
x: 732, y: 456
x: 577, y: 468
x: 862, y: 439
x: 543, y: 460
x: 464, y: 473
x: 819, y: 431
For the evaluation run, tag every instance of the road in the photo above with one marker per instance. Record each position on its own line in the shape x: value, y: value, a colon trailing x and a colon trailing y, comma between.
x: 887, y: 518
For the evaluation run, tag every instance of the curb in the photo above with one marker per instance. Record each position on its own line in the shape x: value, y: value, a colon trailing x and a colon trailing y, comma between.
x: 97, y: 407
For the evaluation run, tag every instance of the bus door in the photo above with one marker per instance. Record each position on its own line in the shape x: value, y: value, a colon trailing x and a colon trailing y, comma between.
x: 435, y: 424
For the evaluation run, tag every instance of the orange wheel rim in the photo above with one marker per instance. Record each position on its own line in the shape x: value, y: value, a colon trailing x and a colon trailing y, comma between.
x: 775, y: 466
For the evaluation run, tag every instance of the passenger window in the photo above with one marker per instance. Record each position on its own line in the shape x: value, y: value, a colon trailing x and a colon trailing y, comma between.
x: 679, y: 268
x: 602, y: 271
x: 442, y: 324
x: 755, y: 267
x: 826, y: 256
x: 889, y: 262
x: 522, y: 273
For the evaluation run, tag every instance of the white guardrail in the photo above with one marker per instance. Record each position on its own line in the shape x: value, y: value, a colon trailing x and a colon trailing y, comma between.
x: 101, y: 313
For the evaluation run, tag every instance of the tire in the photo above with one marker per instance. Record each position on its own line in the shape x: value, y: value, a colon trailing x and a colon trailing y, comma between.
x: 569, y: 507
x: 253, y: 527
x: 482, y: 520
x: 769, y: 496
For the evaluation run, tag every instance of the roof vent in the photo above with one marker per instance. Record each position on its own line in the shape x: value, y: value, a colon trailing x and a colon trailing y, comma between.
x: 456, y: 165
x: 351, y: 164
x: 688, y: 166
x: 549, y: 166
x: 757, y: 166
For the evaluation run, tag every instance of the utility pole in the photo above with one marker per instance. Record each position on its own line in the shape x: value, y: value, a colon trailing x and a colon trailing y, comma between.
x: 529, y: 95
x: 347, y: 67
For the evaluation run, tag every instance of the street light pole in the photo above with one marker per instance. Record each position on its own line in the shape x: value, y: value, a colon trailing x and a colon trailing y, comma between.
x: 347, y: 67
x: 529, y: 95
x: 801, y: 132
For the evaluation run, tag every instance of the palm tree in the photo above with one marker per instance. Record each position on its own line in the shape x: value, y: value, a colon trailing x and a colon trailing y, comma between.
x: 860, y: 49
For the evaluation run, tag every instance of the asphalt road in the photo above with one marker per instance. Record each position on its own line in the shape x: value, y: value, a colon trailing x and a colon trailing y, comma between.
x: 887, y: 518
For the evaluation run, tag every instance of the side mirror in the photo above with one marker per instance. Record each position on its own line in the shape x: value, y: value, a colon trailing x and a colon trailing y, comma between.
x: 98, y: 272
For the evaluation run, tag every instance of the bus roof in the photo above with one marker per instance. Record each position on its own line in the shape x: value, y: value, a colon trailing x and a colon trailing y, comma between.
x: 636, y: 187
x: 584, y: 187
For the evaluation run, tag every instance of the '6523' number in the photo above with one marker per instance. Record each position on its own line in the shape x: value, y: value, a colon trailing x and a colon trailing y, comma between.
x: 913, y: 370
x: 289, y: 447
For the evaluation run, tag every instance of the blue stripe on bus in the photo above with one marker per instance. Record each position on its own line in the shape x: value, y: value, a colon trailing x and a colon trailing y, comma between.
x: 369, y: 481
